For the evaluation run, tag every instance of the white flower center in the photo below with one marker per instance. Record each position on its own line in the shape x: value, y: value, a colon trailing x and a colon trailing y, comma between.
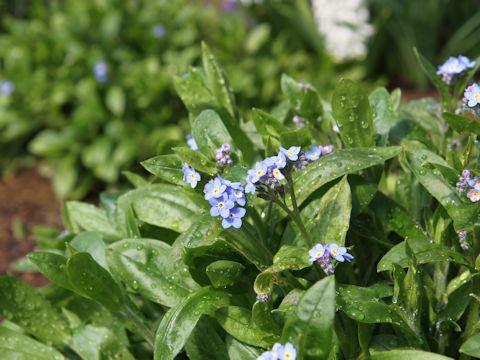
x: 221, y: 205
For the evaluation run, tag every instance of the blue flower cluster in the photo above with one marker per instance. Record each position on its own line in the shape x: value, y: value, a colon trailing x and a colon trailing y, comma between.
x: 190, y: 176
x: 280, y: 352
x: 7, y: 88
x: 272, y: 170
x: 324, y: 254
x: 100, y: 70
x: 469, y: 186
x: 226, y: 198
x: 453, y: 67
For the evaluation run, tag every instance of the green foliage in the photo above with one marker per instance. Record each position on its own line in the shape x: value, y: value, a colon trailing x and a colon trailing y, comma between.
x: 150, y: 273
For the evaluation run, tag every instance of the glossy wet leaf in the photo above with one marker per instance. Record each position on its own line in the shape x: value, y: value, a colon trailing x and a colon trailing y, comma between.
x: 465, y: 215
x: 196, y: 160
x: 193, y: 91
x: 303, y: 98
x: 91, y: 218
x: 240, y: 351
x: 425, y: 252
x: 338, y: 164
x: 462, y: 123
x: 287, y: 258
x: 14, y: 345
x: 92, y: 281
x: 310, y: 324
x: 179, y: 322
x: 205, y: 342
x: 91, y: 243
x: 164, y: 205
x: 152, y: 268
x: 224, y: 273
x: 52, y: 266
x: 384, y: 115
x: 25, y: 306
x: 165, y: 167
x: 353, y: 114
x: 237, y: 322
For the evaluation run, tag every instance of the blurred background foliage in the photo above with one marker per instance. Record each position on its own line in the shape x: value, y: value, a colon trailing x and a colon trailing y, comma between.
x: 87, y: 127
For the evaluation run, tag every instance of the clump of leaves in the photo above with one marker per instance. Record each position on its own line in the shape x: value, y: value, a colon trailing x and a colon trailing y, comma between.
x: 155, y: 272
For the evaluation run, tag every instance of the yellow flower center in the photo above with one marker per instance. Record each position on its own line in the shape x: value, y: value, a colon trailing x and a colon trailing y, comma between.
x: 290, y: 153
x: 221, y: 205
x: 259, y: 172
x: 476, y: 96
x: 334, y: 252
x: 216, y: 191
x: 478, y: 182
x: 192, y: 175
x: 288, y: 355
x: 319, y: 254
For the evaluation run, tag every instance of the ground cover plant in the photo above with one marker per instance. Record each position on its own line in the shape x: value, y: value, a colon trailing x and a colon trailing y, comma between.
x: 315, y: 231
x: 83, y: 82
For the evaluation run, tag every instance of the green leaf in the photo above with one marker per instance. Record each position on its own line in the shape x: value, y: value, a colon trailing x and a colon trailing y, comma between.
x: 462, y: 124
x: 407, y: 355
x: 91, y: 218
x: 224, y: 273
x: 91, y: 243
x: 165, y: 167
x: 338, y: 164
x: 424, y: 251
x: 310, y: 326
x: 164, y: 205
x: 240, y: 351
x: 217, y: 81
x: 431, y: 72
x: 465, y: 215
x: 205, y: 343
x: 194, y: 93
x: 52, y: 266
x: 96, y: 343
x: 16, y: 346
x: 196, y: 160
x: 471, y: 347
x: 179, y: 322
x: 328, y: 219
x: 25, y: 306
x: 287, y: 258
x: 210, y: 132
x: 152, y: 268
x: 115, y: 100
x: 304, y: 100
x: 384, y: 115
x: 92, y: 281
x: 134, y: 179
x: 237, y: 321
x: 268, y: 127
x: 352, y: 112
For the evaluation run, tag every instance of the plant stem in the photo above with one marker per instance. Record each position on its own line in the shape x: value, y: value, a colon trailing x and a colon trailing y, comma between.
x: 139, y: 326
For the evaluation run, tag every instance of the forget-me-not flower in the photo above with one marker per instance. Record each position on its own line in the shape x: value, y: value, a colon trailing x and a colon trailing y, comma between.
x: 339, y: 253
x: 221, y: 206
x: 100, y: 70
x: 324, y: 255
x: 190, y: 176
x: 314, y: 153
x: 291, y: 153
x: 453, y: 67
x: 192, y: 144
x: 159, y: 31
x: 474, y: 195
x: 280, y: 352
x: 214, y: 188
x: 472, y: 95
x: 234, y: 218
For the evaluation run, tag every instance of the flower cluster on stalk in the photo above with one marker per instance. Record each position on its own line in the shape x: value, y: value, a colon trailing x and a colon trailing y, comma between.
x: 269, y: 173
x: 453, y: 67
x: 462, y: 239
x: 469, y: 186
x: 222, y: 154
x: 324, y: 254
x: 226, y: 198
x: 280, y: 352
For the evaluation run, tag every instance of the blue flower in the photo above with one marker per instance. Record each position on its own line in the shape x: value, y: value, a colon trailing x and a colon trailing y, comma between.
x: 190, y: 176
x: 222, y: 154
x: 191, y: 142
x: 288, y: 352
x: 234, y: 218
x: 249, y: 187
x: 221, y: 206
x: 472, y: 95
x: 258, y: 172
x: 475, y: 183
x: 314, y: 153
x: 474, y: 195
x: 267, y: 355
x: 7, y: 88
x: 339, y: 253
x: 277, y: 174
x: 316, y: 252
x: 214, y: 189
x: 291, y: 153
x: 280, y: 160
x: 454, y: 66
x: 327, y: 149
x: 159, y: 31
x: 100, y: 71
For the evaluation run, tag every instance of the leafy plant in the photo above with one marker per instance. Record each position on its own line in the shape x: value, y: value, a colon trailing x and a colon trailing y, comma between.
x: 157, y: 271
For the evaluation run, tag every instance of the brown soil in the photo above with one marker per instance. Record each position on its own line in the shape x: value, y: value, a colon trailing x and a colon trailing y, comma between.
x: 27, y: 200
